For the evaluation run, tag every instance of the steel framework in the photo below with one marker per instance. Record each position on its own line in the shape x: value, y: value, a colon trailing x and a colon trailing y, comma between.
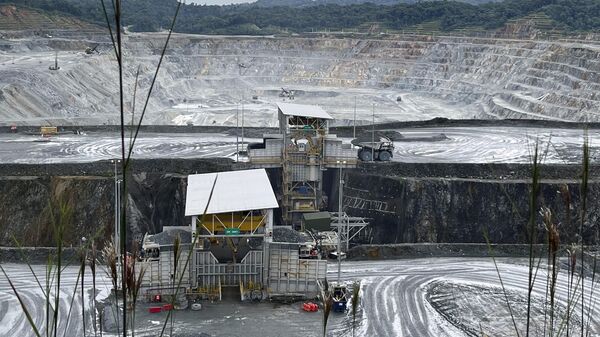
x: 347, y: 227
x: 303, y: 149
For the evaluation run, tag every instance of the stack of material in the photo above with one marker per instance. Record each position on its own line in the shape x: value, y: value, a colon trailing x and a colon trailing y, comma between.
x: 167, y: 237
x: 286, y: 234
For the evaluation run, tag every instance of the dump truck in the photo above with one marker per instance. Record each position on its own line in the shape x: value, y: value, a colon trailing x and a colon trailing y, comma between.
x: 382, y: 149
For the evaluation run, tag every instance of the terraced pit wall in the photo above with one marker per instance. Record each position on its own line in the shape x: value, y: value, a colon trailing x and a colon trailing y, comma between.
x: 458, y: 203
x: 455, y: 77
x: 408, y: 203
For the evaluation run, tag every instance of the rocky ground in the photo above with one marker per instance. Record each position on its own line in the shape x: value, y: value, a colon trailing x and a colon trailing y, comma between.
x: 222, y: 80
x: 415, y: 297
x: 501, y: 144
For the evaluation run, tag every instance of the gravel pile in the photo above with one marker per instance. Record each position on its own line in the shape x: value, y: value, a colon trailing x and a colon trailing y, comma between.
x: 284, y: 234
x: 168, y: 237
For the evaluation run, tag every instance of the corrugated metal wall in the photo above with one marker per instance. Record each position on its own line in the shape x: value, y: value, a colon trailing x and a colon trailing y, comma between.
x: 208, y: 271
x: 273, y: 151
x: 289, y: 275
x: 335, y: 150
x: 160, y: 274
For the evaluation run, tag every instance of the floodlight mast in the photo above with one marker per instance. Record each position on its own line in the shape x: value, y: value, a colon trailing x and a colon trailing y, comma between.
x: 339, y: 243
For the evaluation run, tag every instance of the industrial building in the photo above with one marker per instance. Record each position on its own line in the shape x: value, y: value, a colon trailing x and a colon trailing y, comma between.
x: 231, y: 241
x: 231, y: 232
x: 303, y: 149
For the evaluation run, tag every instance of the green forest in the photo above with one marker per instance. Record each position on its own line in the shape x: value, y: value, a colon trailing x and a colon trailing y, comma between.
x: 153, y: 15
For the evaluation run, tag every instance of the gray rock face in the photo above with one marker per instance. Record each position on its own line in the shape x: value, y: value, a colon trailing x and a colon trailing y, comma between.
x: 156, y: 199
x: 438, y: 203
x: 30, y: 208
x: 417, y: 208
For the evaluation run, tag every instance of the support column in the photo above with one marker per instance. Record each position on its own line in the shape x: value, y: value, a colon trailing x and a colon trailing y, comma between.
x: 193, y: 276
x: 193, y: 225
x: 269, y: 226
x: 266, y: 250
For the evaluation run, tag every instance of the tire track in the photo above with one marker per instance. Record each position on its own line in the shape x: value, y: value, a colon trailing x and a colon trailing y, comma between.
x: 394, y: 296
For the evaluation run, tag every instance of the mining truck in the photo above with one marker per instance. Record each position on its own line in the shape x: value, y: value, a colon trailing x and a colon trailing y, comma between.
x: 382, y: 149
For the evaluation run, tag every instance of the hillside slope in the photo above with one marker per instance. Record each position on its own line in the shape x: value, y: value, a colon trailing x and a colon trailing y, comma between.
x: 252, y: 19
x: 305, y: 3
x: 22, y: 18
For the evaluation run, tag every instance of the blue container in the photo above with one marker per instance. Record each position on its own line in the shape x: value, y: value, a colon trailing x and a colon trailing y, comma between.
x: 303, y: 190
x: 339, y: 306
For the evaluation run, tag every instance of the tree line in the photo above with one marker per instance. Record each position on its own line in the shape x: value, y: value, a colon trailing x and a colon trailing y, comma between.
x: 153, y: 15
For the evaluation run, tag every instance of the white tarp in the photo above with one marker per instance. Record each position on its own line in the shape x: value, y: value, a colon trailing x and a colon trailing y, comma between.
x: 303, y: 110
x: 234, y: 191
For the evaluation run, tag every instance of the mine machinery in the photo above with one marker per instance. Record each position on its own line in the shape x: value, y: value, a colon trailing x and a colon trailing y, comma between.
x: 380, y: 148
x: 303, y: 148
x: 55, y: 66
x: 47, y: 131
x: 287, y: 93
x: 90, y: 50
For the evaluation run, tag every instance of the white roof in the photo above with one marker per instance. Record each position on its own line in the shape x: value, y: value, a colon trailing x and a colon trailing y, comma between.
x: 303, y: 110
x: 234, y: 191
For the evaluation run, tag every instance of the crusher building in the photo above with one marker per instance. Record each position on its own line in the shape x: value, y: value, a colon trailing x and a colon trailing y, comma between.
x: 303, y: 149
x: 231, y: 240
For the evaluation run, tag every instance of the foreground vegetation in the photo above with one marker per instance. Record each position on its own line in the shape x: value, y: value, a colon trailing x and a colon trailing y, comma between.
x: 149, y: 15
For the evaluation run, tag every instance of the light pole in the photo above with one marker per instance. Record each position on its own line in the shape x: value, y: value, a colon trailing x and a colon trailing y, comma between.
x: 339, y: 243
x: 373, y: 135
x: 242, y: 122
x: 354, y: 129
x: 237, y: 136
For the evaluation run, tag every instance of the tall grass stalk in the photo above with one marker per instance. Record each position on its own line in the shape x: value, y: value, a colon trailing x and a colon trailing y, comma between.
x: 134, y: 283
x: 355, y: 302
x: 25, y: 258
x: 327, y: 307
x: 48, y: 290
x: 176, y: 257
x: 504, y: 292
x: 553, y: 267
x: 30, y: 320
x: 126, y: 152
x: 71, y: 305
x: 60, y: 219
x: 556, y: 324
x: 111, y: 260
x: 187, y: 261
x: 82, y: 261
x: 60, y: 214
x: 592, y: 299
x: 531, y: 230
x: 93, y: 258
x: 585, y: 166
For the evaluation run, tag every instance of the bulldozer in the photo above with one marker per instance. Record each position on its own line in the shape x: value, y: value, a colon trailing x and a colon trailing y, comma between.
x: 382, y: 149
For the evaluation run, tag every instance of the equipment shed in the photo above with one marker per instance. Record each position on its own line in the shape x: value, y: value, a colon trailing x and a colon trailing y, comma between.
x: 319, y: 221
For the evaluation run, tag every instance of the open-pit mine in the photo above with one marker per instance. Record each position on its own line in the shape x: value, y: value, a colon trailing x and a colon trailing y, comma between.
x: 277, y: 115
x: 205, y: 80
